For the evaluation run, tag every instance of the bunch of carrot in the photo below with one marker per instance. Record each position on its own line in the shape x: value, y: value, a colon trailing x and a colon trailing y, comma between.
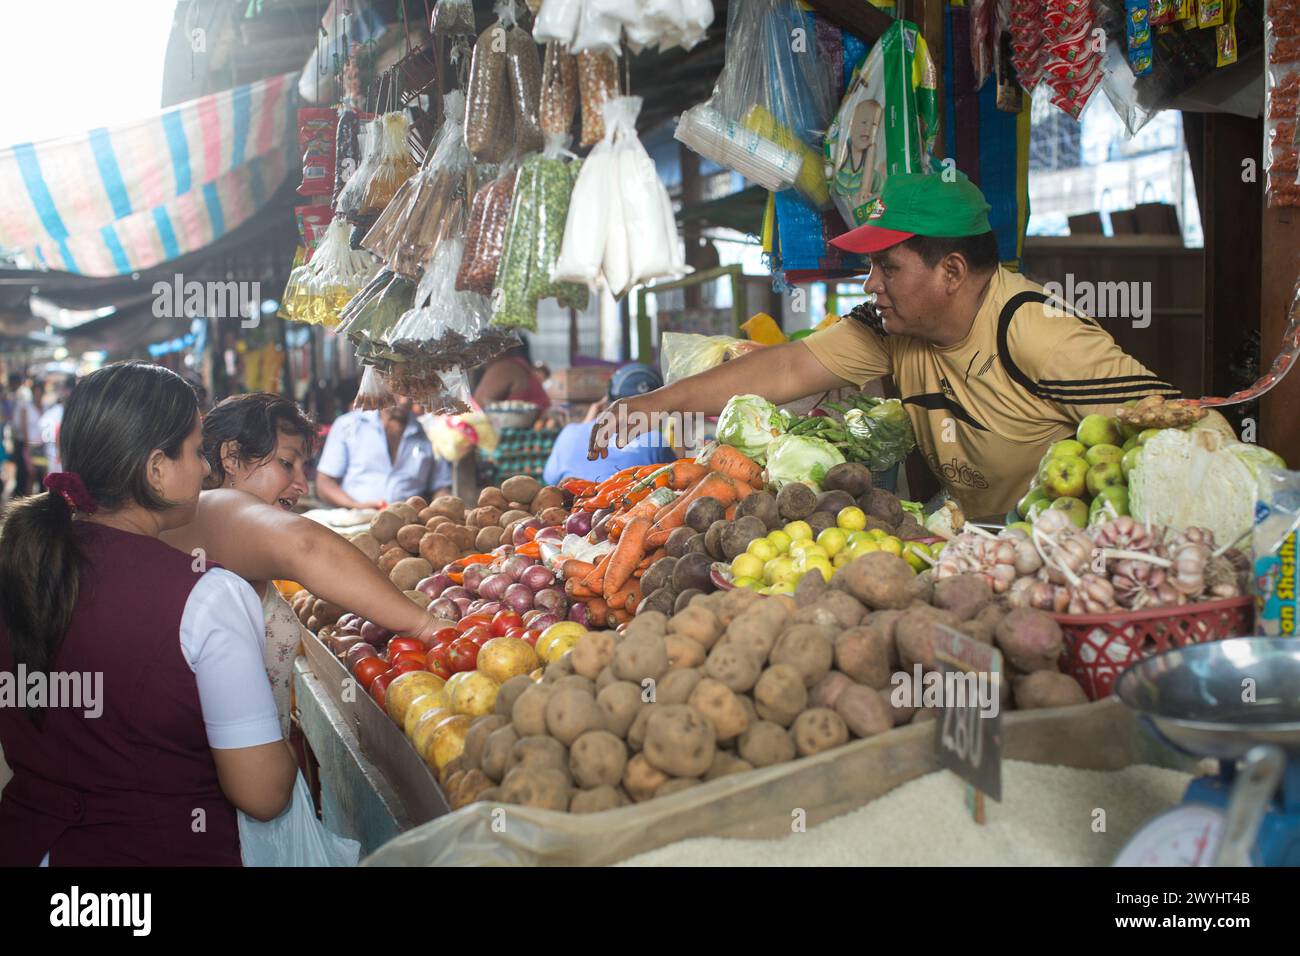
x: 649, y: 511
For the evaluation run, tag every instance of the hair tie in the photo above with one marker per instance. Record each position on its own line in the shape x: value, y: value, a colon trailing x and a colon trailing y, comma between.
x: 69, y: 486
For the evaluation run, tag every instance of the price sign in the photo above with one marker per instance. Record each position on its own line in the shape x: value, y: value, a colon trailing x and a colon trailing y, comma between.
x: 968, y: 734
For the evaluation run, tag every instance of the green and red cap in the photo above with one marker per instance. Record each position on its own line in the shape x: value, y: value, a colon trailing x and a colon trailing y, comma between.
x: 918, y: 204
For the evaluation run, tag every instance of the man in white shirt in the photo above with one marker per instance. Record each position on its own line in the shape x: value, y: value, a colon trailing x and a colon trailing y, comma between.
x: 374, y: 458
x: 51, y: 419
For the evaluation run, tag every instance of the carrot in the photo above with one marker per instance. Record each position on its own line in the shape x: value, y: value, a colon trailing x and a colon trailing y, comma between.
x: 619, y: 599
x: 597, y: 611
x: 574, y: 569
x: 649, y: 507
x: 728, y: 461
x: 578, y: 590
x: 596, y: 580
x: 619, y: 617
x: 532, y: 549
x: 685, y: 473
x: 651, y: 558
x: 626, y: 555
x: 731, y: 513
x: 712, y: 485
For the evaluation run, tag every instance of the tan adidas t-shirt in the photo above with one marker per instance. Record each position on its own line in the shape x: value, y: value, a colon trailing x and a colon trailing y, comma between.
x: 985, y: 410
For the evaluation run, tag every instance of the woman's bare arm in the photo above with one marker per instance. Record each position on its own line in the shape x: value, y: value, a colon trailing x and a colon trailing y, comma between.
x: 261, y: 543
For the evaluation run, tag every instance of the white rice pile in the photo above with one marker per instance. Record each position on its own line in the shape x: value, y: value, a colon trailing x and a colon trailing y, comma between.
x: 1048, y: 817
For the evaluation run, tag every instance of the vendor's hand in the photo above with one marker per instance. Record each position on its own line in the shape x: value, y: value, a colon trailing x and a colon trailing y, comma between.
x: 370, y: 505
x: 621, y: 422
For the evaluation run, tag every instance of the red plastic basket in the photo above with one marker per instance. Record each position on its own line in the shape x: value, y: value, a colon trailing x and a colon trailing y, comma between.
x: 1100, y: 647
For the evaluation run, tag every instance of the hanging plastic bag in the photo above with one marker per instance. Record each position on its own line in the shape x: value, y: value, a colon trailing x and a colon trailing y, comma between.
x: 349, y: 198
x: 452, y: 18
x: 337, y: 272
x: 294, y: 838
x: 524, y: 69
x: 596, y: 31
x: 558, y: 21
x: 489, y: 116
x: 647, y: 239
x: 559, y: 96
x: 595, y: 196
x: 394, y: 164
x: 683, y: 354
x: 884, y: 126
x: 597, y: 83
x: 479, y: 269
x: 374, y: 392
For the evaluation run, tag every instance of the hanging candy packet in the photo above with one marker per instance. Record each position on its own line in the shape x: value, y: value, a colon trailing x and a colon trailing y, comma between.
x: 1225, y: 37
x: 316, y: 147
x: 1137, y: 29
x: 1209, y: 13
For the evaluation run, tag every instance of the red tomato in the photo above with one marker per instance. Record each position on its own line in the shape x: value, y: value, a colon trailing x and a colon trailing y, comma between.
x: 413, y: 663
x: 438, y: 654
x: 516, y: 632
x: 367, y: 669
x: 399, y: 644
x: 463, y: 656
x: 531, y: 635
x: 445, y: 635
x: 502, y: 621
x: 379, y: 686
x: 473, y: 620
x: 439, y: 668
x: 479, y: 634
x: 409, y: 656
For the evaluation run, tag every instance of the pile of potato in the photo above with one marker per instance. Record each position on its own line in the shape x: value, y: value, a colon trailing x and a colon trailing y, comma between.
x: 735, y: 681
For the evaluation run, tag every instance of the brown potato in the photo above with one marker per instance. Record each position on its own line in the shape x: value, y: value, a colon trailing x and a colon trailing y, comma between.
x: 605, y: 679
x: 529, y: 713
x: 834, y: 609
x: 619, y: 704
x: 593, y: 653
x: 538, y: 753
x: 725, y: 764
x: 368, y: 545
x: 965, y: 595
x: 697, y: 623
x: 570, y: 713
x: 548, y: 497
x: 520, y: 488
x: 487, y: 540
x: 437, y: 521
x: 780, y: 694
x: 416, y: 502
x: 388, y: 560
x: 558, y: 670
x: 636, y: 733
x: 438, y: 549
x: 648, y: 624
x: 596, y: 800
x: 758, y: 628
x: 451, y: 507
x: 472, y: 784
x: 584, y: 684
x: 385, y: 526
x: 901, y: 695
x: 509, y: 693
x: 419, y: 598
x: 864, y: 711
x: 484, y: 517
x: 409, y: 572
x: 1047, y: 689
x: 1031, y: 640
x: 879, y: 580
x: 766, y: 743
x: 461, y: 535
x: 477, y: 736
x: 827, y: 690
x: 598, y: 758
x: 810, y: 589
x: 679, y: 741
x: 639, y: 658
x: 641, y: 778
x: 404, y: 511
x: 819, y: 729
x: 734, y: 665
x: 808, y: 649
x: 683, y: 653
x: 676, y: 785
x: 408, y: 537
x: 493, y: 497
x: 496, y: 751
x: 676, y: 687
x: 916, y: 632
x: 424, y: 515
x: 866, y: 654
x: 543, y: 789
x: 714, y: 701
x: 553, y: 516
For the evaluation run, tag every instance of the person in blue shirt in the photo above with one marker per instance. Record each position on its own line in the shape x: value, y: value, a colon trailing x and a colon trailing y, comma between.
x: 569, y: 455
x: 374, y: 458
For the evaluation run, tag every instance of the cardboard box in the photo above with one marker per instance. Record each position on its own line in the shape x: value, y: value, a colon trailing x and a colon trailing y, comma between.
x: 584, y: 383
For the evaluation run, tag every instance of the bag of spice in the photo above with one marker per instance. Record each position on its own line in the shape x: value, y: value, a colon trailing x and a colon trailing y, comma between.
x: 452, y: 18
x: 556, y: 177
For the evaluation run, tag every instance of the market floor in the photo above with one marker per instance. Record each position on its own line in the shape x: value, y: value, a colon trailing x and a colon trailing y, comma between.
x: 1050, y: 816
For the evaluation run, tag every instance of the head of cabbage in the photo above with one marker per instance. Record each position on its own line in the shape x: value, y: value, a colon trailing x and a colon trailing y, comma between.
x: 801, y: 458
x: 748, y: 424
x: 1198, y: 478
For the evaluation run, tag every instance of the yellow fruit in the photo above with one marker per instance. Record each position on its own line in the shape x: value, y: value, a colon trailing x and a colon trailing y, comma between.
x: 799, y: 530
x: 505, y: 657
x: 751, y: 583
x: 878, y: 533
x: 405, y: 689
x: 820, y: 564
x: 851, y: 519
x: 778, y: 569
x: 762, y: 549
x: 555, y: 631
x: 449, y: 688
x: 536, y: 675
x: 782, y: 587
x: 892, y: 545
x: 426, y: 726
x: 915, y: 554
x: 832, y: 540
x: 780, y: 539
x: 747, y: 566
x: 841, y: 559
x: 475, y: 695
x: 856, y: 536
x: 448, y: 741
x: 863, y: 547
x: 559, y: 647
x: 417, y: 710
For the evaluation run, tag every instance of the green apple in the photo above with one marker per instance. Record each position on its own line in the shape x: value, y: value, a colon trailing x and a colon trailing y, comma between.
x: 1130, y: 444
x: 1037, y: 508
x: 1066, y: 448
x: 1074, y: 509
x: 1067, y: 477
x: 1099, y: 454
x: 1104, y: 476
x: 1037, y: 493
x: 1130, y: 460
x: 1098, y: 430
x: 1146, y: 434
x: 1024, y: 526
x: 1111, y: 502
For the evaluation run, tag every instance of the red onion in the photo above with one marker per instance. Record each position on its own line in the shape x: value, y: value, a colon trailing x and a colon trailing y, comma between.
x: 461, y: 605
x: 357, y: 653
x: 348, y: 621
x: 474, y: 575
x: 578, y: 523
x: 553, y: 534
x: 537, y: 578
x: 530, y: 616
x: 339, y: 644
x: 520, y: 536
x: 543, y: 621
x: 551, y: 599
x: 600, y: 514
x: 435, y: 584
x: 519, y: 597
x: 446, y: 607
x: 488, y: 607
x: 578, y: 613
x: 493, y: 586
x: 457, y: 592
x: 598, y: 530
x: 372, y: 633
x: 516, y: 565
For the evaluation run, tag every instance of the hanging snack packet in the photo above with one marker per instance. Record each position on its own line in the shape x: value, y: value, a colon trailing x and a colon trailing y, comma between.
x: 1137, y: 30
x: 350, y: 196
x: 1276, y: 543
x: 559, y: 96
x: 1209, y: 13
x: 1225, y: 37
x: 316, y: 147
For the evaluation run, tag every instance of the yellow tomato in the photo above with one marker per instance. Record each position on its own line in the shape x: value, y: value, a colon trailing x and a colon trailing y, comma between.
x: 892, y: 545
x: 762, y: 549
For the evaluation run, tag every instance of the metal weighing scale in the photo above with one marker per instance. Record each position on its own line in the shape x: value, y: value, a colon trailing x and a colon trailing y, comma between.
x: 1237, y: 701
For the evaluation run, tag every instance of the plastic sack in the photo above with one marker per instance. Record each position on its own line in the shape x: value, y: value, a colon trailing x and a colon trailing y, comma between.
x: 596, y: 31
x: 650, y: 238
x: 882, y: 436
x: 558, y: 21
x: 446, y: 393
x: 489, y: 116
x: 683, y: 354
x: 729, y: 143
x: 368, y: 327
x: 452, y: 18
x: 1276, y: 539
x: 559, y: 96
x: 883, y: 126
x: 336, y: 273
x: 374, y: 393
x: 294, y: 838
x: 597, y: 83
x: 582, y: 249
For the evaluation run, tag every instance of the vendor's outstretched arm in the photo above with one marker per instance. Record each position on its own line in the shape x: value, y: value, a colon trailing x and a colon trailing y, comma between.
x: 262, y: 543
x: 779, y: 373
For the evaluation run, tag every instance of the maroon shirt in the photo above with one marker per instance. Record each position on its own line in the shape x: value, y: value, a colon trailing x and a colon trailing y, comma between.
x: 136, y: 786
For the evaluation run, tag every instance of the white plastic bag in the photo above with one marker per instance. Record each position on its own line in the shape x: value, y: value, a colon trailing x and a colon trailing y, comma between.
x: 294, y: 838
x: 623, y: 11
x: 558, y: 21
x: 585, y: 229
x: 617, y: 261
x: 647, y: 242
x: 596, y: 31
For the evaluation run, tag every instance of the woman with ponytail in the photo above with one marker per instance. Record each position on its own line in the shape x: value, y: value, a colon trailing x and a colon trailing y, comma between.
x: 183, y: 727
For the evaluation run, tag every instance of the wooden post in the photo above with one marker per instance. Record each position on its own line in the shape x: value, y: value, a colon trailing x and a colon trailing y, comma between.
x: 1281, y: 262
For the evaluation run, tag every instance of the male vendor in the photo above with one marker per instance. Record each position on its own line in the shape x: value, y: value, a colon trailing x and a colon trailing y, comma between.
x: 989, y: 374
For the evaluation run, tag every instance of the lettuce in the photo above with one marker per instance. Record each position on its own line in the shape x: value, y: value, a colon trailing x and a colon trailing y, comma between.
x: 748, y: 423
x: 801, y: 458
x: 1198, y: 478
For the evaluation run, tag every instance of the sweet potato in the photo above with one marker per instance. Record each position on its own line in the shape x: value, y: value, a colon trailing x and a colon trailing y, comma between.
x: 721, y: 707
x: 598, y: 758
x: 965, y: 595
x: 734, y: 665
x: 570, y: 713
x: 780, y: 695
x: 639, y: 658
x: 619, y: 704
x: 543, y: 789
x: 679, y: 741
x: 866, y: 654
x: 864, y: 711
x: 819, y: 729
x: 766, y: 743
x: 1031, y: 640
x: 808, y: 649
x: 1047, y: 689
x: 879, y: 580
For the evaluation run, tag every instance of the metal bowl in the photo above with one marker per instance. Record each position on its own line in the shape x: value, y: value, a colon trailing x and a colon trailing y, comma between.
x: 1220, y: 698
